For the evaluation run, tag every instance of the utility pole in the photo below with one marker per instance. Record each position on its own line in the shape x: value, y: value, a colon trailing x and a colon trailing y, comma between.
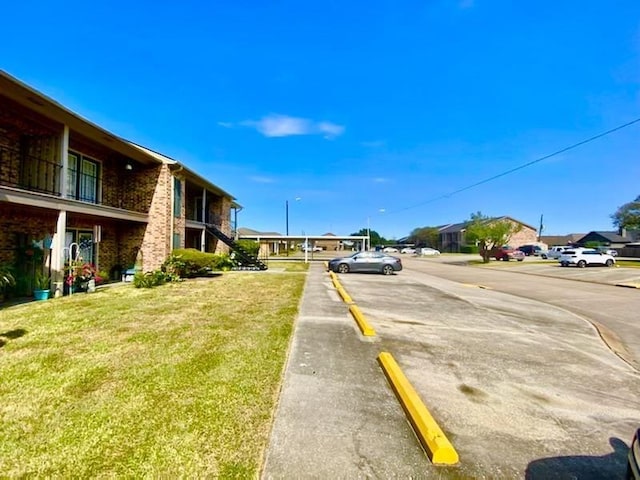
x: 541, y: 227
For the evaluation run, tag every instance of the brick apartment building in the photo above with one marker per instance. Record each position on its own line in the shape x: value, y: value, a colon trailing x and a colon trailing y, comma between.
x: 70, y: 188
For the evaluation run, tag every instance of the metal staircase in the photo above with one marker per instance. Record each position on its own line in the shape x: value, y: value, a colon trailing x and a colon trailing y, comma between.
x: 245, y: 260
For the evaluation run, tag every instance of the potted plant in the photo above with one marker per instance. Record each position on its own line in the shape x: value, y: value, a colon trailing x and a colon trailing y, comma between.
x: 41, y: 286
x: 6, y: 280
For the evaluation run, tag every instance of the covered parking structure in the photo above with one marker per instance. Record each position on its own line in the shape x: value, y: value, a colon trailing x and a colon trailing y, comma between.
x: 282, y: 244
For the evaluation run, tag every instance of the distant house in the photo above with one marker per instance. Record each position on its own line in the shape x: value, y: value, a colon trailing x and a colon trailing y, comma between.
x: 452, y: 236
x: 570, y: 239
x: 610, y: 239
x: 327, y: 244
x: 268, y: 246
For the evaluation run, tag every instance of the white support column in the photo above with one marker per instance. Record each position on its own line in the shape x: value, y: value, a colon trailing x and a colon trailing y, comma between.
x: 57, y: 254
x: 204, y: 219
x: 57, y: 242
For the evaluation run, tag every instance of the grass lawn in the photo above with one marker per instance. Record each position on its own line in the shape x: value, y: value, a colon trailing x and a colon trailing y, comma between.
x: 176, y: 381
x: 291, y: 266
x: 628, y: 263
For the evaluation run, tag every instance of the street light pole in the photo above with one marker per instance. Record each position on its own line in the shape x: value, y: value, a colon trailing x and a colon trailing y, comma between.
x: 286, y: 210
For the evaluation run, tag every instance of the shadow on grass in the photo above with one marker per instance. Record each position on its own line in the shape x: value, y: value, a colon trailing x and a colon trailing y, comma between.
x: 11, y: 335
x: 584, y: 467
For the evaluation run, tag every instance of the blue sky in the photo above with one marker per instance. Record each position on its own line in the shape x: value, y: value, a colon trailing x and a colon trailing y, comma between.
x: 367, y: 111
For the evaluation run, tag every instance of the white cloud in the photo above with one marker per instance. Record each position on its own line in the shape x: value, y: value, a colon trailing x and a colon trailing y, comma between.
x: 275, y: 125
x: 225, y: 124
x: 381, y: 180
x: 330, y: 130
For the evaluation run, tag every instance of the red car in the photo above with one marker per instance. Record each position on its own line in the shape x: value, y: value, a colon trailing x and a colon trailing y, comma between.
x: 507, y: 253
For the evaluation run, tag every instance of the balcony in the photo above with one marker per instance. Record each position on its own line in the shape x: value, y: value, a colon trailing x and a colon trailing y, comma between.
x: 27, y: 172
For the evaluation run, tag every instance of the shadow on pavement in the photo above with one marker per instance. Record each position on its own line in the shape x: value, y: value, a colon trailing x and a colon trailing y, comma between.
x: 583, y: 467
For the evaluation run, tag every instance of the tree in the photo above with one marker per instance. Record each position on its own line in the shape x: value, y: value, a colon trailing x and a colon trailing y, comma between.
x: 425, y: 236
x: 628, y: 215
x: 489, y: 233
x: 375, y: 237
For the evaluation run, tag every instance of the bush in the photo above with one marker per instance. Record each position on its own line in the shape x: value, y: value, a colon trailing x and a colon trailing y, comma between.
x: 149, y: 279
x: 189, y: 263
x: 469, y: 249
x: 250, y: 246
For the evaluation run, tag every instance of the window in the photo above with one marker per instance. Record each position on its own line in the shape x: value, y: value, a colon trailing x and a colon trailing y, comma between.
x: 177, y: 197
x: 82, y: 178
x: 79, y: 245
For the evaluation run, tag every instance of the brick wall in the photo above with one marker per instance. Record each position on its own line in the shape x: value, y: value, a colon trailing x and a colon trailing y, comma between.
x: 526, y: 236
x: 156, y: 242
x: 19, y: 125
x: 32, y: 224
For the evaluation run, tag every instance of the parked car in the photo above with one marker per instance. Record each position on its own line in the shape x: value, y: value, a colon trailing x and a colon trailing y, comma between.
x: 536, y: 250
x: 428, y: 251
x: 607, y: 250
x: 390, y: 250
x: 408, y: 250
x: 366, y: 262
x: 583, y: 257
x: 507, y: 253
x: 556, y: 250
x: 633, y: 458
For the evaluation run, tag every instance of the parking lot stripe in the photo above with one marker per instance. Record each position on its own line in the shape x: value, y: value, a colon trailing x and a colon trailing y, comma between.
x: 431, y: 436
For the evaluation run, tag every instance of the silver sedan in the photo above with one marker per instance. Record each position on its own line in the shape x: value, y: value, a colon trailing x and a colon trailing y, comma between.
x: 377, y: 262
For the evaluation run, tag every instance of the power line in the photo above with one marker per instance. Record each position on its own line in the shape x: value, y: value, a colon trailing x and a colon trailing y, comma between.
x: 515, y: 169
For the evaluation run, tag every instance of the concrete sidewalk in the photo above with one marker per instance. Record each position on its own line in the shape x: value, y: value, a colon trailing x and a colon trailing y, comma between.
x: 337, y: 416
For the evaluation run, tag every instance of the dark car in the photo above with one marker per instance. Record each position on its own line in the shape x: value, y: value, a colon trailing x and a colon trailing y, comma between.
x: 536, y: 250
x: 633, y: 470
x: 507, y: 253
x: 377, y: 262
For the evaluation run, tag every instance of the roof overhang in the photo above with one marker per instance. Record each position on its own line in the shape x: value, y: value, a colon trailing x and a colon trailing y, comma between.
x: 48, y: 108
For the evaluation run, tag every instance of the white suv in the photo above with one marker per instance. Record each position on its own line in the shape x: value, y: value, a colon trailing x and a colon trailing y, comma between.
x: 583, y: 257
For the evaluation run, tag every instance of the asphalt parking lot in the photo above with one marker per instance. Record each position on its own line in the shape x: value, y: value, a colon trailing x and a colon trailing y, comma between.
x: 537, y: 266
x: 523, y: 389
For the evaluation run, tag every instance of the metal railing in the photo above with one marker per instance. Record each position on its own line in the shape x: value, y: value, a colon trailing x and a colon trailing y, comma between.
x: 28, y: 172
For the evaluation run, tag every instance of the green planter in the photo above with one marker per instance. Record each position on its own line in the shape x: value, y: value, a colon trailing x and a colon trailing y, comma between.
x: 41, y: 294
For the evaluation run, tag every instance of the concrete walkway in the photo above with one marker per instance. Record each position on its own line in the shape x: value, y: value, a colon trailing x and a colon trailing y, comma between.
x: 337, y: 416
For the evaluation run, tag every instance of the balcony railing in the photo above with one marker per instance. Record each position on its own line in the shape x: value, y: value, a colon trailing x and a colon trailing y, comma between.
x: 29, y: 173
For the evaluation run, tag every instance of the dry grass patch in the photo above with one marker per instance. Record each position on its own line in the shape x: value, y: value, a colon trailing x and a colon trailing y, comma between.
x: 175, y: 381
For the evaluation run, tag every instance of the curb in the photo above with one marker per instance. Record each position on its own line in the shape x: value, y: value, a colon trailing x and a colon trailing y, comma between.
x: 366, y: 329
x: 627, y: 285
x: 343, y: 293
x: 431, y: 436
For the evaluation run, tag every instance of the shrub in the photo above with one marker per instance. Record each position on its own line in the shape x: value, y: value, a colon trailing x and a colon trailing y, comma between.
x: 250, y: 246
x: 469, y: 249
x: 189, y: 263
x: 149, y: 279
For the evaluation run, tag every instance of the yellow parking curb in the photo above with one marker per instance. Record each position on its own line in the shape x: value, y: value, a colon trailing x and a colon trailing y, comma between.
x: 431, y: 436
x: 343, y: 293
x: 366, y: 329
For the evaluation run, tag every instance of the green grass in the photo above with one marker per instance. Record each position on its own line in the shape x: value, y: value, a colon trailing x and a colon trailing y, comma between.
x: 628, y: 263
x: 176, y: 381
x: 290, y: 266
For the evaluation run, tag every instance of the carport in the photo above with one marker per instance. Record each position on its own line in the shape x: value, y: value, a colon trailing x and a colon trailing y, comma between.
x: 274, y: 243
